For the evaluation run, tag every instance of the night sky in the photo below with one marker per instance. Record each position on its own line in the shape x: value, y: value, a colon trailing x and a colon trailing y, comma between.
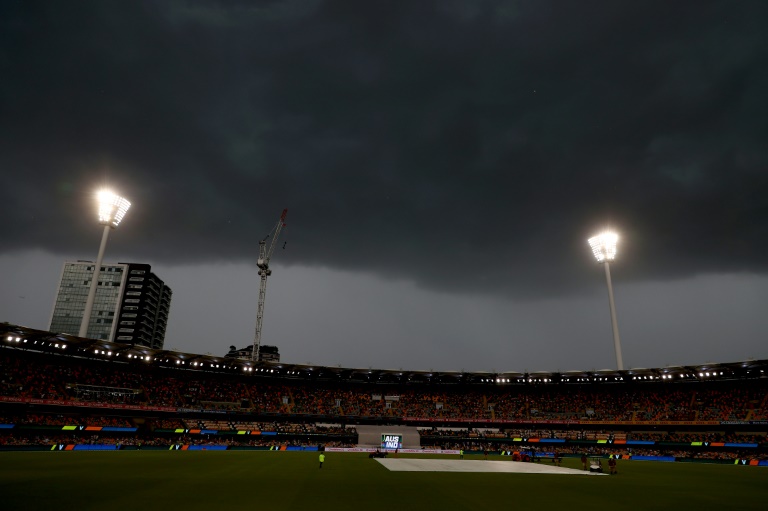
x: 443, y: 164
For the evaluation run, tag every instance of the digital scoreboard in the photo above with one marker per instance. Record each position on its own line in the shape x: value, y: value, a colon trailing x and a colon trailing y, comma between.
x: 391, y: 441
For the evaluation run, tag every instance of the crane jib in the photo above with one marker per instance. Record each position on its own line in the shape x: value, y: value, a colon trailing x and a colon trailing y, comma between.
x: 264, y: 271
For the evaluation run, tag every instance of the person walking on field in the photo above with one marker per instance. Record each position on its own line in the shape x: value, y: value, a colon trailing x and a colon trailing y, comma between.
x: 322, y: 459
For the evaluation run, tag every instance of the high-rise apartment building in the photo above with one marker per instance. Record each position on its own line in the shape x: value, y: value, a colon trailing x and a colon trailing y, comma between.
x: 131, y: 306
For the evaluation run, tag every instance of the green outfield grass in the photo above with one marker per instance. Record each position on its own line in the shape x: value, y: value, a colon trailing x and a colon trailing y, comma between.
x: 252, y: 481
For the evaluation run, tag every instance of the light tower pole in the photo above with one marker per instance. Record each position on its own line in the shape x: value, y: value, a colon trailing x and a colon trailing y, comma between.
x: 112, y: 209
x: 604, y: 247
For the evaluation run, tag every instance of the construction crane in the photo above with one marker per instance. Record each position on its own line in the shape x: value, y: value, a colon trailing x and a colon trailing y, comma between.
x: 265, y: 254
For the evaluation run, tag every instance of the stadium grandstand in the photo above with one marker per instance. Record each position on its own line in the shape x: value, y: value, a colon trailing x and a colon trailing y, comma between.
x: 63, y: 392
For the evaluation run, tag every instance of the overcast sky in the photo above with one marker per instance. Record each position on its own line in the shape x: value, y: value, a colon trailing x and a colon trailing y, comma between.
x: 442, y: 162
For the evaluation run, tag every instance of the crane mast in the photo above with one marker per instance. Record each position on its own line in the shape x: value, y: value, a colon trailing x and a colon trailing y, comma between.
x: 265, y: 254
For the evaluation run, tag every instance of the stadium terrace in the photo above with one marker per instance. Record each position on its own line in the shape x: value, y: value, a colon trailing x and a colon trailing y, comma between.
x: 63, y: 392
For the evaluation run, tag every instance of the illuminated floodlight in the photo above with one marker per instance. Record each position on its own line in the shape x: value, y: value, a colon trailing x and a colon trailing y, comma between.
x: 112, y: 208
x: 604, y: 246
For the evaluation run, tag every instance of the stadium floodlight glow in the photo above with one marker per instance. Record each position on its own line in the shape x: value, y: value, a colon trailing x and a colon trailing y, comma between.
x: 604, y: 248
x: 112, y: 209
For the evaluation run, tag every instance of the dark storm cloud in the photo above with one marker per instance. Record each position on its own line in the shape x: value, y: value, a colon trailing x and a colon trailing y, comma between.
x: 463, y: 145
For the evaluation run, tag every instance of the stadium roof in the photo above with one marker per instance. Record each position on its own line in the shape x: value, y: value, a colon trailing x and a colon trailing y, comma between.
x: 28, y: 339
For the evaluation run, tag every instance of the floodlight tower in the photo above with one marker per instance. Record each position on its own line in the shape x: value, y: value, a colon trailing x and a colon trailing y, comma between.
x: 265, y: 254
x: 112, y: 209
x: 604, y: 247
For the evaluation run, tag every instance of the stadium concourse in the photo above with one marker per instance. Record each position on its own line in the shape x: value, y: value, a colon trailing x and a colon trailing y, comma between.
x: 61, y: 392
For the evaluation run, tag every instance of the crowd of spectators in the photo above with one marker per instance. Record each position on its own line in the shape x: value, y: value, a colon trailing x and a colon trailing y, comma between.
x: 436, y: 435
x: 88, y: 439
x: 297, y: 407
x: 41, y: 419
x: 168, y: 424
x: 109, y: 383
x: 301, y: 428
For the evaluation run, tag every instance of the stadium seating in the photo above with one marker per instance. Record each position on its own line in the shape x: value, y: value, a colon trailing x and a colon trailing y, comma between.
x: 162, y: 406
